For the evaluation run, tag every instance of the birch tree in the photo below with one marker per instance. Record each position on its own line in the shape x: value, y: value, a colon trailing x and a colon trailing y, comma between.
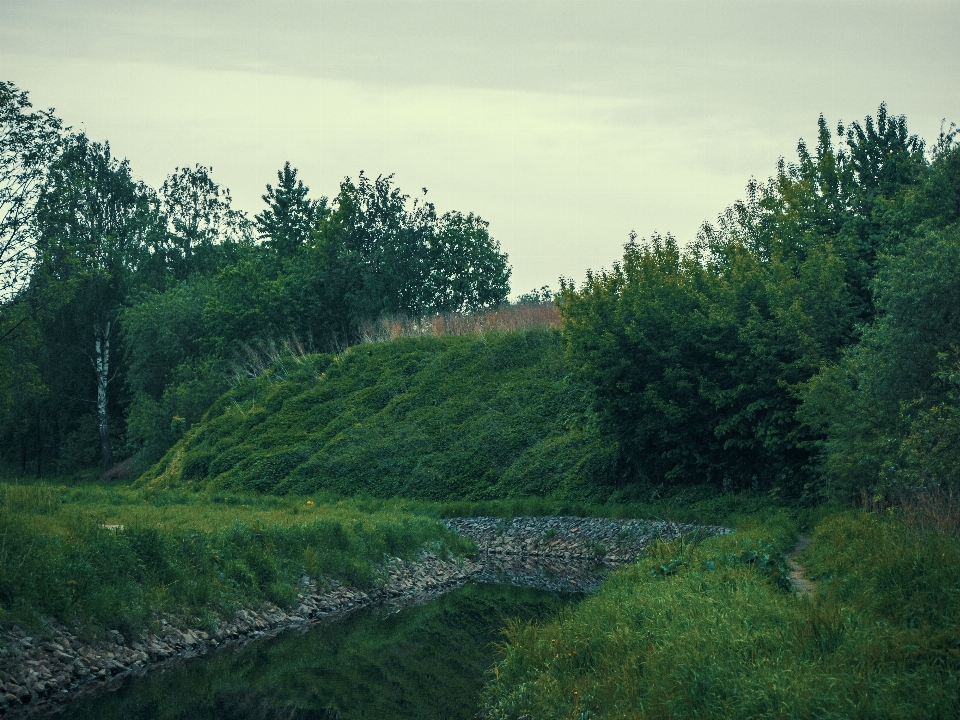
x: 94, y: 223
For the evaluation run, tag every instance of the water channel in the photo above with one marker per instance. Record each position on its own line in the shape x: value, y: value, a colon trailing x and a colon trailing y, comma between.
x: 426, y: 661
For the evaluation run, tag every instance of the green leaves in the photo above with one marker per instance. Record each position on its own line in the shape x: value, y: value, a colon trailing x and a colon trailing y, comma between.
x: 693, y: 360
x: 290, y: 216
x: 377, y: 254
x: 769, y: 563
x: 723, y: 362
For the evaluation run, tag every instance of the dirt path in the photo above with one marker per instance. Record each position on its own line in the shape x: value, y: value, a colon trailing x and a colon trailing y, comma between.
x: 797, y: 579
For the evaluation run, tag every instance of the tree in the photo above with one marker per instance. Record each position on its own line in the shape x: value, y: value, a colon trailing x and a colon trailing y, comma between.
x: 94, y: 225
x: 886, y: 392
x: 377, y: 254
x: 199, y: 219
x: 290, y: 216
x: 467, y: 270
x: 29, y: 141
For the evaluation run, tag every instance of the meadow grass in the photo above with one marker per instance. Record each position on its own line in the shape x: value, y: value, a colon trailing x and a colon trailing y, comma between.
x: 99, y: 556
x: 706, y: 630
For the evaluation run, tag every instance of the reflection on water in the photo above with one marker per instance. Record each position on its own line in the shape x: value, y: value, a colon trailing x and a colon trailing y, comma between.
x: 571, y: 575
x: 416, y: 662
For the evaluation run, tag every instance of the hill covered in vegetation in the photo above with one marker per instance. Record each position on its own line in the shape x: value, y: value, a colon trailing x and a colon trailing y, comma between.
x: 468, y: 417
x: 805, y: 346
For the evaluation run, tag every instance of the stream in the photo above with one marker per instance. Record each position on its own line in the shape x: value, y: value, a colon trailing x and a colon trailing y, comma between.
x: 387, y: 661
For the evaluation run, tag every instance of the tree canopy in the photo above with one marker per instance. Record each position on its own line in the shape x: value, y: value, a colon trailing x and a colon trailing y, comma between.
x: 124, y: 308
x: 803, y: 342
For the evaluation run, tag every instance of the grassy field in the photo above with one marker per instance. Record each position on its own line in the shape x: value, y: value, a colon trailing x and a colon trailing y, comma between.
x: 104, y: 556
x: 708, y: 630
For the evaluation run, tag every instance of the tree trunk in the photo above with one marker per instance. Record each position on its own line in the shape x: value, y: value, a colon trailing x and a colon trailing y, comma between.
x: 101, y: 364
x: 39, y: 448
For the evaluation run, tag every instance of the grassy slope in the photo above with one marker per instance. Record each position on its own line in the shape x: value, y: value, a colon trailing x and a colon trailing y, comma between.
x: 713, y: 636
x: 469, y: 417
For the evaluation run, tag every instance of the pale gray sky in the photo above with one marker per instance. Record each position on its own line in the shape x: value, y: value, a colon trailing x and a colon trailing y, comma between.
x: 564, y: 124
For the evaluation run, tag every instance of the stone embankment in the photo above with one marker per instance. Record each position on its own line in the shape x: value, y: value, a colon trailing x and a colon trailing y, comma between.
x: 607, y: 542
x: 62, y: 666
x: 562, y: 554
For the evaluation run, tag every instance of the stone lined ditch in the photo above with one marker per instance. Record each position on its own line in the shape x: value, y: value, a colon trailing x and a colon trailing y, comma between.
x: 549, y: 554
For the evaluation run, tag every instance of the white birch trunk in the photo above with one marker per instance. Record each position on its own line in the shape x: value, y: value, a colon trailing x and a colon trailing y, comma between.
x: 101, y: 364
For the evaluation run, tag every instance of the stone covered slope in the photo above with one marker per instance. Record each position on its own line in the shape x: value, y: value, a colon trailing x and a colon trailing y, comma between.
x: 611, y: 542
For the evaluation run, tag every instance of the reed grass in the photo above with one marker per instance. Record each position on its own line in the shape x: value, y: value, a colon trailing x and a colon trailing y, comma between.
x: 508, y: 318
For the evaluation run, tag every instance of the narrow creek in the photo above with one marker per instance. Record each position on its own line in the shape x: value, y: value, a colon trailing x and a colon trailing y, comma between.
x: 426, y: 661
x: 418, y: 646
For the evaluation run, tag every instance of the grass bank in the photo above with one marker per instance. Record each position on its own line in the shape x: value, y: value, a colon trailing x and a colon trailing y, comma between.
x: 111, y: 557
x: 707, y: 630
x: 473, y: 417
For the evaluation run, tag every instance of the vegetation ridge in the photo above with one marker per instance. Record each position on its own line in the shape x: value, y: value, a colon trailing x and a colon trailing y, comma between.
x: 473, y: 417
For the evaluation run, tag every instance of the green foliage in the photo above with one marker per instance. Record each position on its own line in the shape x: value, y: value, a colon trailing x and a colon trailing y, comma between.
x: 202, y: 227
x: 372, y: 255
x: 290, y: 217
x: 29, y: 142
x: 694, y: 361
x: 167, y: 289
x: 702, y: 630
x: 802, y: 338
x: 465, y: 417
x: 888, y: 406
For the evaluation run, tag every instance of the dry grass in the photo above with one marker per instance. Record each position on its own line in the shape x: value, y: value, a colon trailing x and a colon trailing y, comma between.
x: 924, y: 509
x: 510, y: 318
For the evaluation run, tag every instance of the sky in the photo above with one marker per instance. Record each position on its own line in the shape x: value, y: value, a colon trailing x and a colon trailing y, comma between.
x: 563, y: 124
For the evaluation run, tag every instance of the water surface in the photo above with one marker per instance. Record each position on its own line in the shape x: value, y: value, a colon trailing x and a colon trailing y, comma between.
x: 427, y: 661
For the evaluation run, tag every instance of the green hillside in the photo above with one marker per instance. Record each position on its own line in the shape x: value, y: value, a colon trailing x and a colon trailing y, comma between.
x: 470, y: 417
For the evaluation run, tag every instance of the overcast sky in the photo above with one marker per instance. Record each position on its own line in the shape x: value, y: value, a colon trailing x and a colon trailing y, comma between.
x: 563, y: 124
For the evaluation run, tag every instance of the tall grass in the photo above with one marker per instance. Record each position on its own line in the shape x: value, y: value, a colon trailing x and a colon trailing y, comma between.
x: 509, y: 318
x: 705, y: 632
x: 101, y: 557
x: 935, y: 509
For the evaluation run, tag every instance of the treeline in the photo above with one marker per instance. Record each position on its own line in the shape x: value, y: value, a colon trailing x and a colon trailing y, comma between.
x: 806, y: 343
x: 123, y: 307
